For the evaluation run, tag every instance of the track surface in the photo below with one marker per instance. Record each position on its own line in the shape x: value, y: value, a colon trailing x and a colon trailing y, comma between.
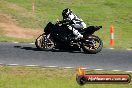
x: 27, y: 54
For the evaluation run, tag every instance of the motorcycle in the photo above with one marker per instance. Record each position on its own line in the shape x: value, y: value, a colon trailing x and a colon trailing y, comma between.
x: 58, y: 34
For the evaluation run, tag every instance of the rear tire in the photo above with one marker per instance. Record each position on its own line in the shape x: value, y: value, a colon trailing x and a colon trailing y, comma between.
x: 93, y: 48
x: 44, y: 42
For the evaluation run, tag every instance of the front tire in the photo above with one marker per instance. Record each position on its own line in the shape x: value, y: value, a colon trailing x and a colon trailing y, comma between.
x: 44, y: 42
x: 93, y: 48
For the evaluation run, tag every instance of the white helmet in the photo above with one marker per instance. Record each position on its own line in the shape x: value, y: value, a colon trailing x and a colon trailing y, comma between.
x: 66, y: 12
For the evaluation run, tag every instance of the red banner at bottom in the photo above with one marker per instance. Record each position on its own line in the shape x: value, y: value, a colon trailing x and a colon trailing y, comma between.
x: 103, y: 78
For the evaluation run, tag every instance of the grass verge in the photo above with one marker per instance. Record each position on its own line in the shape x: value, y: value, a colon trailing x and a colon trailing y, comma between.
x: 35, y: 77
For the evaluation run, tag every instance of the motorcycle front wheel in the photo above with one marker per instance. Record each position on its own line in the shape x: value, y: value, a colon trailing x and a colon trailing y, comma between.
x: 93, y: 46
x: 44, y: 42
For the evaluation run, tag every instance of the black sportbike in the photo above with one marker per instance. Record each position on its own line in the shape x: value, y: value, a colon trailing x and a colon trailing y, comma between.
x: 58, y: 36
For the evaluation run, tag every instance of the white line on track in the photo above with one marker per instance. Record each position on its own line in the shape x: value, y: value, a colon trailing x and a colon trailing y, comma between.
x: 13, y: 64
x: 58, y: 67
x: 128, y: 71
x: 31, y: 65
x: 1, y: 63
x: 15, y: 42
x: 84, y: 68
x: 111, y: 48
x: 98, y: 69
x: 32, y: 43
x: 116, y: 70
x: 68, y: 67
x: 129, y: 49
x: 51, y: 66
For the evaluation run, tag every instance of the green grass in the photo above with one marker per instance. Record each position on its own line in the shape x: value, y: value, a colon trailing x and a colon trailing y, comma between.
x: 93, y: 12
x: 35, y: 77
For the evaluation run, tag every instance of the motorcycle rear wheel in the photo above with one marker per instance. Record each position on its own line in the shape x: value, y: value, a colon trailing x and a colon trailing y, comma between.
x: 44, y: 42
x: 93, y: 48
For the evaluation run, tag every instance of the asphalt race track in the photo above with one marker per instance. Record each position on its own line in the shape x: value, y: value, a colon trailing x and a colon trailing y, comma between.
x: 27, y: 54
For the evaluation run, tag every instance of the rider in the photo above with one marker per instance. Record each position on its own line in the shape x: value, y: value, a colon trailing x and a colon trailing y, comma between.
x: 69, y: 16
